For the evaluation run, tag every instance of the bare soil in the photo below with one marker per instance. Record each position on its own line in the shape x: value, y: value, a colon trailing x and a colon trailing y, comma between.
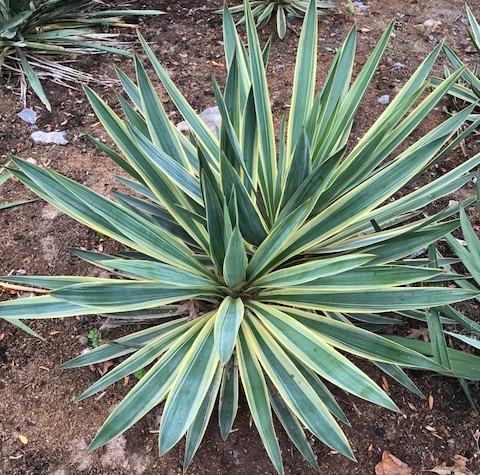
x: 35, y: 396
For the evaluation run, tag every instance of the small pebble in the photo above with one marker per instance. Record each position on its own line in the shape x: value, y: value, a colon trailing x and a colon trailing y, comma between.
x: 452, y: 203
x: 83, y: 340
x: 384, y: 100
x: 397, y: 67
x: 379, y: 431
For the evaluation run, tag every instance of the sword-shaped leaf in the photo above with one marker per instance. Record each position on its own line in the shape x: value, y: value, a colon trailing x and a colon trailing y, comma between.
x: 139, y: 360
x: 269, y: 249
x: 228, y: 401
x: 399, y: 375
x: 256, y: 392
x: 227, y: 322
x: 365, y: 344
x: 321, y: 390
x: 369, y: 301
x: 215, y: 222
x: 236, y: 261
x: 266, y: 134
x: 192, y: 382
x: 292, y: 427
x: 150, y: 270
x: 310, y: 271
x: 44, y: 306
x: 463, y: 365
x: 22, y: 326
x: 160, y: 127
x: 197, y: 126
x: 371, y: 277
x: 105, y: 216
x: 123, y: 346
x: 319, y: 355
x: 197, y: 430
x: 124, y: 295
x: 304, y: 79
x: 295, y: 390
x: 466, y: 339
x: 150, y: 391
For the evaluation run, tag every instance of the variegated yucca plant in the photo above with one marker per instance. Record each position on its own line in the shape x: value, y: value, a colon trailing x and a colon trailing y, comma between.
x: 33, y: 32
x: 262, y: 11
x: 266, y: 262
x: 467, y: 89
x: 469, y: 253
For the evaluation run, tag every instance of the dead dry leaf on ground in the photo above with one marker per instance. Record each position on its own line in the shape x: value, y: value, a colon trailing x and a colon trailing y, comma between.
x: 458, y: 468
x: 192, y: 307
x: 416, y: 333
x: 391, y: 465
x: 102, y: 369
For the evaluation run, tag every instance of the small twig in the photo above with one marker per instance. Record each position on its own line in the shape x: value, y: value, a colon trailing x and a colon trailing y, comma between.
x: 100, y: 396
x: 359, y: 414
x: 23, y: 288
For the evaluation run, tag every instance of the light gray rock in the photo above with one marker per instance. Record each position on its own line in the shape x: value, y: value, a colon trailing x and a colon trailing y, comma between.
x: 431, y: 26
x: 360, y: 5
x: 46, y: 138
x: 211, y: 116
x: 28, y: 115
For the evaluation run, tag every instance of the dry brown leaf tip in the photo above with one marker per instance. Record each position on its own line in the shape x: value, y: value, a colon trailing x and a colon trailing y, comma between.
x: 391, y: 465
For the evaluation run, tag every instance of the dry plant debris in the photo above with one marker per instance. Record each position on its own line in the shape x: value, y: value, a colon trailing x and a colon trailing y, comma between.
x: 458, y: 468
x: 391, y: 465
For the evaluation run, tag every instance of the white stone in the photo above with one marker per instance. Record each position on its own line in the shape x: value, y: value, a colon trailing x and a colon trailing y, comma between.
x: 212, y: 118
x: 45, y: 138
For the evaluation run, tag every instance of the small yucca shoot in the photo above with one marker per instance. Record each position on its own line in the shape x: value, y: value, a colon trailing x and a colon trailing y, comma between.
x: 268, y: 261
